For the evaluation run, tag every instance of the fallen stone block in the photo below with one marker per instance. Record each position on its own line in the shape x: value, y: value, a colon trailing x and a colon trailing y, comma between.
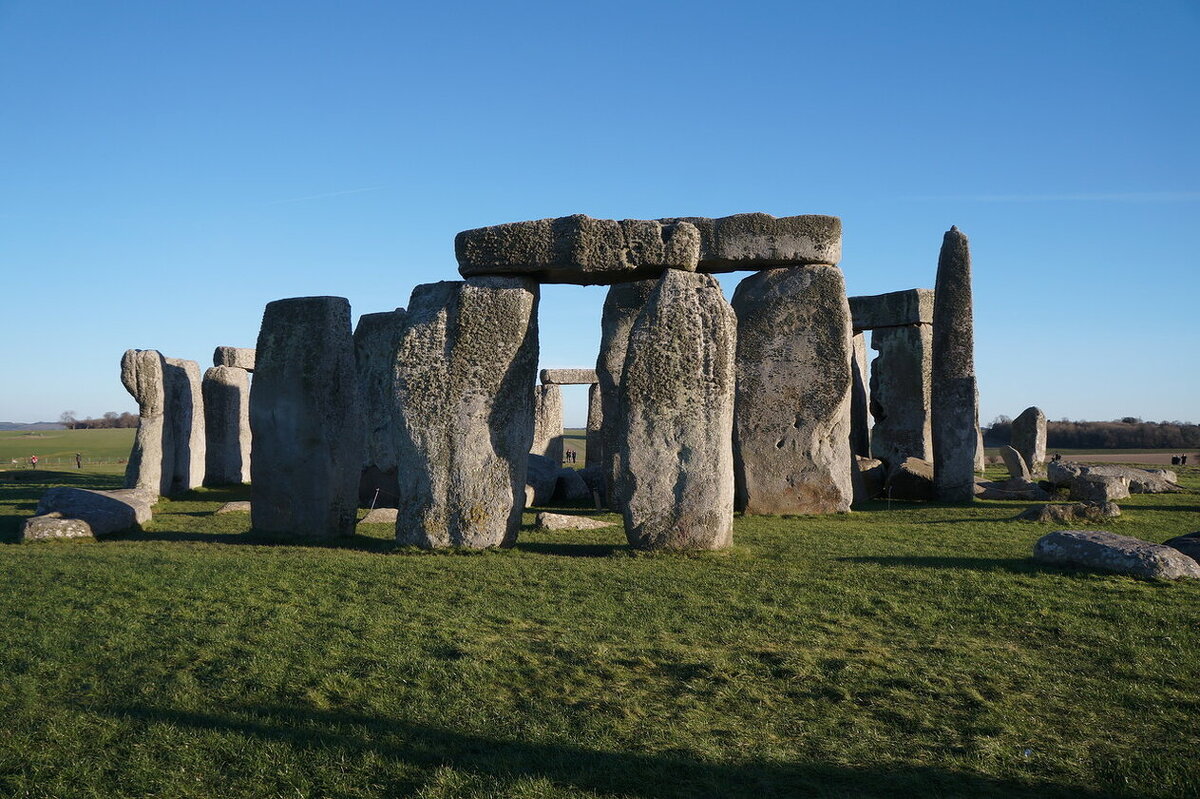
x: 1013, y: 488
x: 104, y: 511
x: 561, y: 521
x: 237, y: 506
x: 1090, y: 487
x: 1103, y: 551
x: 380, y: 516
x: 912, y: 479
x: 1079, y: 511
x: 53, y: 526
x: 1187, y: 544
x: 571, y: 486
x: 541, y: 478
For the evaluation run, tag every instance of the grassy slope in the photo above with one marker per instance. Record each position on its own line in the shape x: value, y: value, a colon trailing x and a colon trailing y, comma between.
x: 901, y: 652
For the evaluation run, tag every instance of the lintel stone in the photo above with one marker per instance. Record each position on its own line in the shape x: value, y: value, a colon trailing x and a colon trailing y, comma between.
x: 568, y: 377
x: 893, y: 309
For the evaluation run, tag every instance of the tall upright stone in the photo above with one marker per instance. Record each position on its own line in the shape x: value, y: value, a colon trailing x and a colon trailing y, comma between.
x: 376, y: 339
x: 226, y: 391
x: 306, y: 420
x: 594, y: 455
x: 185, y: 422
x: 901, y: 393
x: 548, y: 422
x: 792, y: 420
x: 954, y: 390
x: 622, y: 305
x: 675, y: 484
x: 860, y: 398
x: 142, y: 376
x: 465, y: 366
x: 1029, y: 438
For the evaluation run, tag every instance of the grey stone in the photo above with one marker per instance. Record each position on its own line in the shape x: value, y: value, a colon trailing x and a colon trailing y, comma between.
x: 185, y: 422
x: 152, y: 459
x: 465, y: 368
x: 872, y: 479
x: 912, y: 479
x: 954, y: 393
x: 675, y: 485
x: 1013, y: 488
x: 226, y: 391
x: 594, y: 449
x: 237, y: 506
x: 894, y: 309
x: 236, y: 357
x: 568, y: 377
x: 306, y: 420
x: 541, y: 480
x: 1029, y: 438
x: 53, y: 526
x: 380, y: 516
x: 1141, y: 481
x: 1099, y: 488
x: 762, y: 241
x: 562, y: 521
x: 792, y: 417
x: 1187, y: 544
x: 1103, y: 551
x: 980, y: 457
x: 860, y: 398
x: 548, y: 422
x: 1061, y: 473
x: 376, y: 339
x: 104, y: 511
x: 901, y: 394
x: 571, y: 487
x: 594, y: 476
x: 1015, y: 463
x: 1079, y: 511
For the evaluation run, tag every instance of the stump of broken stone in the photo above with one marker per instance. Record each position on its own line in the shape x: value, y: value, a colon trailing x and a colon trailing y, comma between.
x: 104, y: 511
x: 1109, y: 552
x: 562, y: 521
x: 1090, y: 487
x: 1079, y: 511
x: 53, y: 526
x: 1187, y: 544
x: 1015, y: 464
x: 912, y: 479
x: 571, y: 487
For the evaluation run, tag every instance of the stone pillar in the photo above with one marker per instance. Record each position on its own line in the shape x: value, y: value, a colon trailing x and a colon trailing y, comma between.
x: 238, y: 357
x: 226, y: 391
x: 185, y: 422
x: 900, y: 393
x: 955, y: 418
x: 306, y: 420
x: 1029, y: 438
x: 595, y: 426
x: 621, y: 307
x: 792, y: 421
x: 465, y: 365
x: 376, y: 338
x: 142, y: 376
x: 548, y: 422
x: 860, y: 399
x: 675, y: 484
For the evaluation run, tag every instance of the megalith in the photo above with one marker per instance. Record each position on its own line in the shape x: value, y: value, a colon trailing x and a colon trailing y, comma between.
x: 792, y: 418
x: 954, y: 400
x: 1029, y: 438
x: 674, y: 446
x: 548, y: 422
x: 860, y: 398
x: 226, y: 391
x: 594, y: 456
x: 239, y: 357
x: 466, y: 363
x: 306, y: 419
x: 152, y: 459
x: 185, y: 422
x: 376, y: 339
x: 901, y: 393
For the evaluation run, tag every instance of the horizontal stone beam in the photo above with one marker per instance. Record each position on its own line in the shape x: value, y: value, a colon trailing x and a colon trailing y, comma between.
x: 585, y: 251
x: 569, y: 377
x: 238, y: 357
x: 894, y: 309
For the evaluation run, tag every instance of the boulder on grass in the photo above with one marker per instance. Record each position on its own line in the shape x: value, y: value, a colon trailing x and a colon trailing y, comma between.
x: 1090, y: 487
x: 1013, y: 488
x: 563, y: 521
x: 1141, y: 481
x: 570, y: 486
x: 540, y: 480
x: 237, y: 506
x: 1080, y: 511
x: 911, y: 479
x: 1109, y: 552
x: 380, y: 516
x: 52, y: 526
x: 104, y: 511
x: 872, y: 476
x: 1187, y: 544
x: 1061, y: 473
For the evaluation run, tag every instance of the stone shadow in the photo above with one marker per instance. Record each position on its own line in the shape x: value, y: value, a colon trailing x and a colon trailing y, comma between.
x: 1014, y: 565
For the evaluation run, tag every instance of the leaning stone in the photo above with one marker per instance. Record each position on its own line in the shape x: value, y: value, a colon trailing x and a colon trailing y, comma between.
x: 570, y: 487
x: 900, y: 393
x: 152, y: 459
x: 912, y: 479
x: 562, y: 521
x: 894, y: 309
x: 792, y: 417
x: 568, y: 377
x: 237, y: 506
x: 1187, y: 544
x: 1029, y: 438
x: 762, y: 241
x: 226, y: 391
x: 548, y: 422
x: 104, y: 511
x: 675, y: 486
x: 1079, y: 511
x: 376, y: 339
x: 1094, y: 549
x: 236, y: 357
x: 380, y: 516
x: 185, y: 422
x: 306, y: 420
x: 1015, y: 463
x: 53, y: 526
x: 1099, y: 488
x: 954, y: 393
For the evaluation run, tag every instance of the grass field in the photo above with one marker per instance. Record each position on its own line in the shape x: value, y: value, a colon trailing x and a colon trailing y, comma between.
x: 910, y: 652
x: 57, y: 448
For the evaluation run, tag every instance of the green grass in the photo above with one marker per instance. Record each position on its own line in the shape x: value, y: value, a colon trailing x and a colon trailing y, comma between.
x: 56, y: 448
x: 910, y: 652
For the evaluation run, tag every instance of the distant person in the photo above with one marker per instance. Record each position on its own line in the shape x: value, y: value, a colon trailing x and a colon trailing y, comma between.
x: 33, y: 461
x: 78, y: 461
x: 1183, y: 460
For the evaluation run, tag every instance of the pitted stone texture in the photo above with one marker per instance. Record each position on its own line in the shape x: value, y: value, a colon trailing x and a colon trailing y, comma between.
x: 1141, y: 481
x: 675, y: 485
x: 792, y: 417
x: 1015, y: 463
x: 562, y: 521
x: 465, y: 370
x: 226, y: 392
x: 860, y: 398
x: 185, y: 422
x: 1079, y: 511
x: 762, y: 241
x: 901, y: 394
x: 236, y: 357
x: 954, y: 392
x: 152, y: 459
x: 376, y: 339
x: 595, y: 427
x: 53, y: 526
x: 548, y: 422
x: 1099, y: 487
x: 306, y: 420
x: 104, y: 511
x: 568, y: 377
x: 578, y: 249
x: 894, y: 309
x: 1061, y: 473
x: 1029, y: 438
x: 621, y: 307
x: 1094, y: 549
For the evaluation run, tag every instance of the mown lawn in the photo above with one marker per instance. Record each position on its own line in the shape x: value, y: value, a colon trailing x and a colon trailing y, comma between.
x: 906, y: 652
x: 56, y: 448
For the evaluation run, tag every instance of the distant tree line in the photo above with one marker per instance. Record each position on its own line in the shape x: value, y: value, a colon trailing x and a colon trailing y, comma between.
x: 108, y: 421
x: 1128, y: 432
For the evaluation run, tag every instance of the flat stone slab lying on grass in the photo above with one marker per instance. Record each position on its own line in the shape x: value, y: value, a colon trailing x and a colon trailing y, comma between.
x: 53, y: 526
x: 1080, y: 511
x: 1012, y: 488
x: 562, y: 521
x: 380, y: 516
x: 1095, y: 549
x: 104, y: 511
x: 1187, y: 544
x: 1141, y: 481
x: 238, y: 506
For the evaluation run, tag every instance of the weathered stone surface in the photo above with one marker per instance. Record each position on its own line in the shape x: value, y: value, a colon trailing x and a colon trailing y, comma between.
x: 894, y: 309
x: 548, y: 422
x: 226, y: 391
x: 1099, y: 488
x: 595, y: 477
x: 185, y: 422
x: 104, y: 511
x: 237, y: 506
x: 1015, y: 464
x: 1061, y: 473
x: 792, y: 417
x: 912, y: 479
x: 466, y: 364
x: 1094, y: 549
x: 872, y: 478
x: 860, y: 398
x: 1013, y: 488
x: 1141, y: 481
x: 152, y: 459
x: 900, y: 393
x: 236, y: 357
x: 568, y: 377
x: 53, y: 526
x: 380, y: 516
x: 541, y: 480
x: 1029, y: 438
x: 762, y: 241
x: 562, y: 521
x: 1187, y: 544
x: 1079, y: 511
x: 621, y: 307
x: 306, y: 420
x: 675, y: 485
x: 376, y: 339
x: 954, y: 393
x: 570, y: 487
x: 594, y: 454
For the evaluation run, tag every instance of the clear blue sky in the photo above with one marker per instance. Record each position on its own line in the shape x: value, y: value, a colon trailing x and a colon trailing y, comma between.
x: 167, y: 168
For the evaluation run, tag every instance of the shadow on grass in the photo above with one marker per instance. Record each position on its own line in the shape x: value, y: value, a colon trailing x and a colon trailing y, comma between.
x: 1015, y: 565
x: 21, y: 490
x: 501, y: 760
x: 571, y: 550
x: 359, y: 543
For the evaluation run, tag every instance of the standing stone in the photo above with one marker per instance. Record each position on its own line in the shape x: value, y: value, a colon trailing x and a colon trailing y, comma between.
x: 595, y: 427
x: 954, y: 392
x: 1029, y: 438
x: 860, y: 399
x: 792, y: 421
x: 1015, y: 463
x: 376, y: 339
x: 621, y: 307
x: 185, y: 422
x: 466, y: 362
x: 548, y: 422
x: 152, y: 460
x: 675, y: 486
x: 900, y: 393
x: 226, y: 391
x: 306, y: 420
